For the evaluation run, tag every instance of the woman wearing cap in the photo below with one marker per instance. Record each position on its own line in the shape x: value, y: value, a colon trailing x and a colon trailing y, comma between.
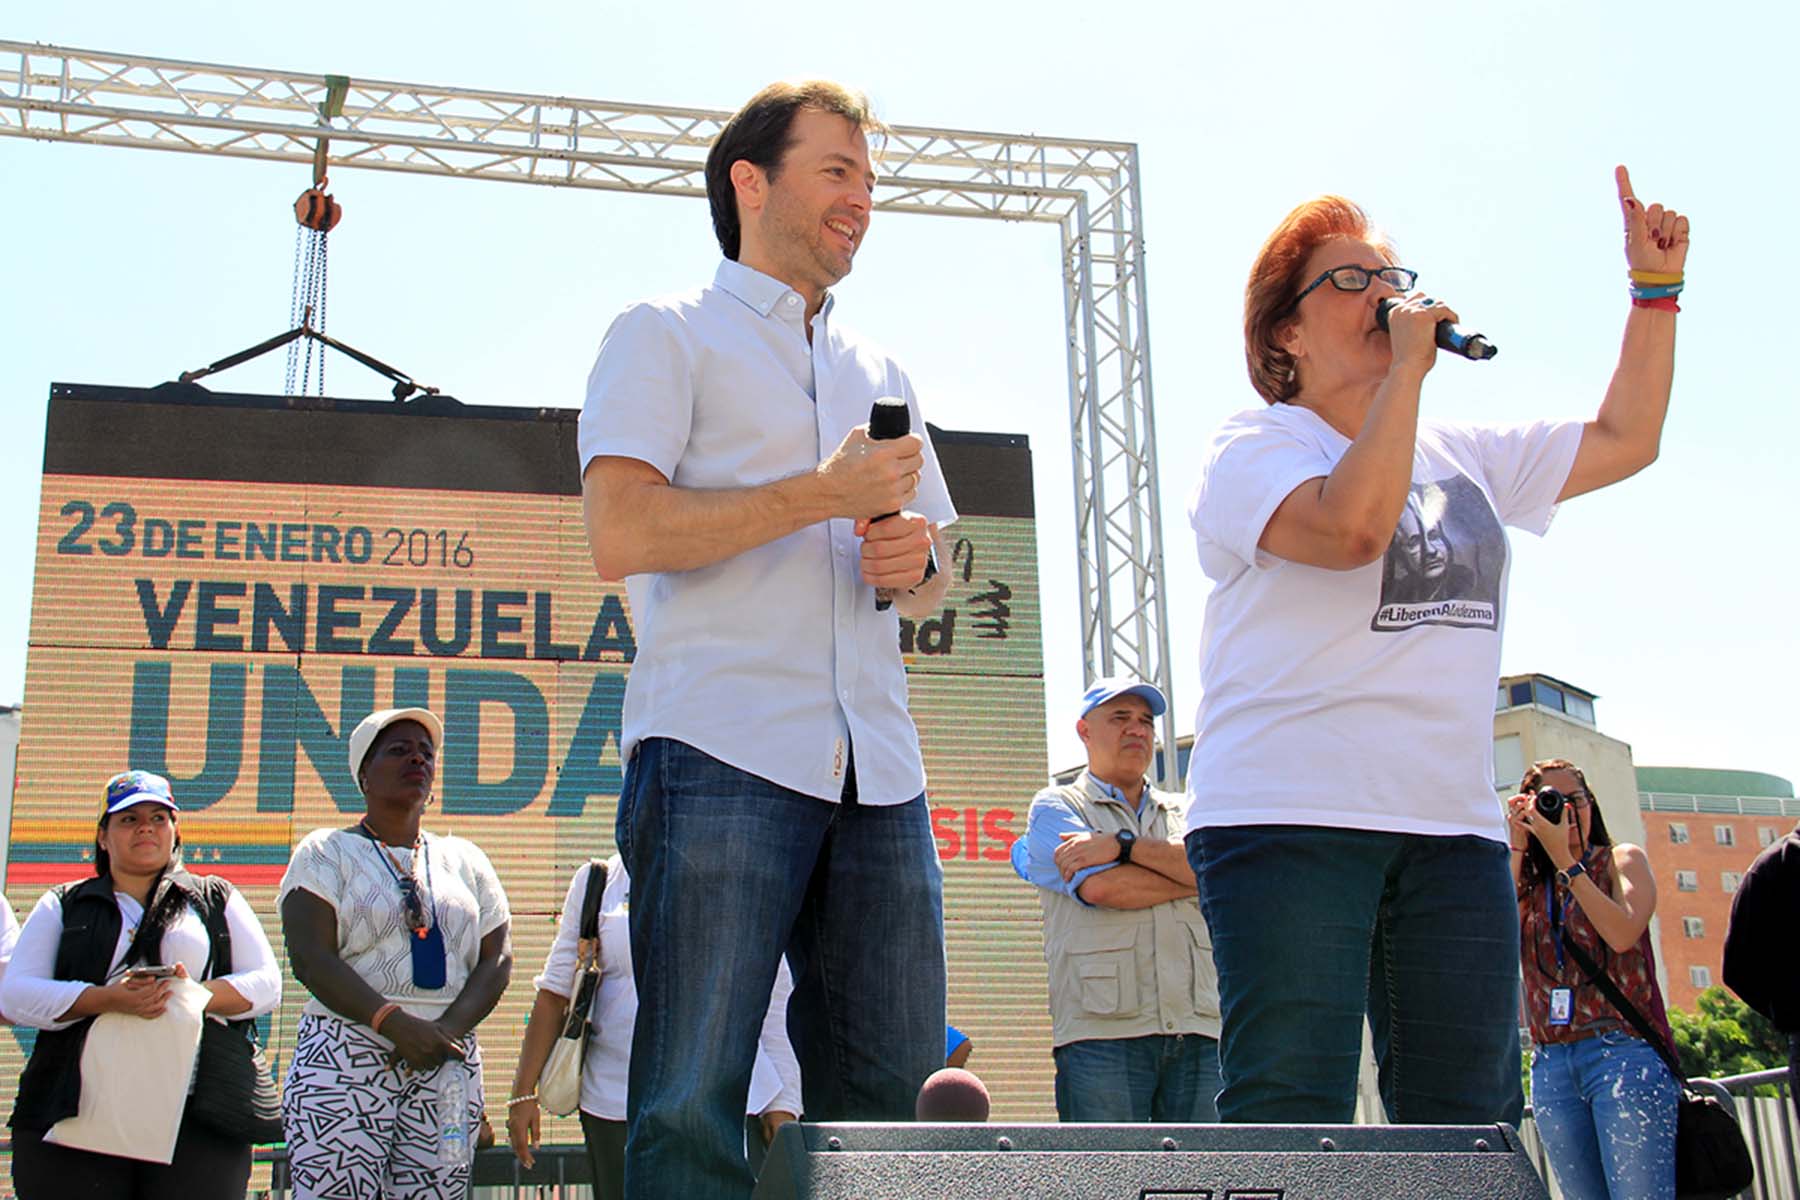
x: 80, y: 954
x: 1350, y: 852
x: 402, y: 936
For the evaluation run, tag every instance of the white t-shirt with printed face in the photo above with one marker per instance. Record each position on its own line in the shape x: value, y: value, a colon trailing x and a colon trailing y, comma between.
x: 1360, y: 699
x: 456, y: 881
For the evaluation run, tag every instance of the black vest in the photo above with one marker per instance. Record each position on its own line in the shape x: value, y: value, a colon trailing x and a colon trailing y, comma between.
x: 50, y: 1086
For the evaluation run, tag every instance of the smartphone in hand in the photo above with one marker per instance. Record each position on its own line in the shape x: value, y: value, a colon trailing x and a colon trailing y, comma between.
x: 167, y: 972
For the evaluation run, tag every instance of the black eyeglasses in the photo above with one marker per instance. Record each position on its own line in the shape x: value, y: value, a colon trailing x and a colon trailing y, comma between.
x: 1356, y: 279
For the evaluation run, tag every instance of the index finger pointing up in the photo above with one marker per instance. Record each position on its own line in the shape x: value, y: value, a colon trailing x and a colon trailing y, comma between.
x: 1627, y: 198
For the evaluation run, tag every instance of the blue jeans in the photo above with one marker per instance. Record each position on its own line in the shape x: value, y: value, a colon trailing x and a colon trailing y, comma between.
x: 1313, y: 928
x: 728, y: 872
x: 1170, y: 1079
x: 1605, y: 1110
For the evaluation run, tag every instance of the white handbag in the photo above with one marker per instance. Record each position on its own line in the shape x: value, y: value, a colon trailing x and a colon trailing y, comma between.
x: 559, y: 1084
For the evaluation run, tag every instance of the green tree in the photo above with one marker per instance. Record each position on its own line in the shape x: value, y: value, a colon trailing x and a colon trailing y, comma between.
x: 1725, y: 1036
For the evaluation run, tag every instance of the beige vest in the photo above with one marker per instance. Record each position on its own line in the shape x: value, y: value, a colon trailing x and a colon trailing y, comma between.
x: 1127, y: 973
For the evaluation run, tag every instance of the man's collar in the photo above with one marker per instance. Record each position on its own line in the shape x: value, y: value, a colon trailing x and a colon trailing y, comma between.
x: 1102, y: 790
x: 1107, y: 791
x: 761, y: 292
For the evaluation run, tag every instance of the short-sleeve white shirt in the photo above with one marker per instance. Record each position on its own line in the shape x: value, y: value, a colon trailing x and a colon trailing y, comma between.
x: 1360, y: 699
x: 458, y: 885
x: 775, y: 660
x: 775, y: 1075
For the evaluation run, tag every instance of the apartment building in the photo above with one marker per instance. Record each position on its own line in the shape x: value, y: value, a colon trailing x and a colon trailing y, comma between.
x: 1704, y: 828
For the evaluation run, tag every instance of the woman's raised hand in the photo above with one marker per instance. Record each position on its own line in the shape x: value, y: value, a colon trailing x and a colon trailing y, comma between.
x: 1656, y: 238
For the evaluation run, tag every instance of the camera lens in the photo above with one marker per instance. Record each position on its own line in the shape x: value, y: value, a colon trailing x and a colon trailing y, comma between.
x: 1550, y: 803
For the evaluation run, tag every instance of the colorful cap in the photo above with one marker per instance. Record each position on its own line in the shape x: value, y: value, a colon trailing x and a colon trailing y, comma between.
x: 138, y: 787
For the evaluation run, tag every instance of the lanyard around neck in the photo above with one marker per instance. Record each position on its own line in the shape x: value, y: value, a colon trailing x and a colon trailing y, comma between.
x: 401, y: 879
x: 387, y: 853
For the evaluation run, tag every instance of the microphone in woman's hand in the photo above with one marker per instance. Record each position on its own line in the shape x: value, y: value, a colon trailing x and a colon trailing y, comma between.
x: 1451, y: 337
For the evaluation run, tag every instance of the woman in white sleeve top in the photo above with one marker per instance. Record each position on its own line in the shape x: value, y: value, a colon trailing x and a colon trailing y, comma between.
x: 9, y: 937
x: 141, y: 908
x: 774, y: 1095
x: 403, y: 937
x: 1350, y: 850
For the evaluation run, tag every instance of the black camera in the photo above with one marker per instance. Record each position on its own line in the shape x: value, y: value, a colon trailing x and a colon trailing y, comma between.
x: 1550, y: 803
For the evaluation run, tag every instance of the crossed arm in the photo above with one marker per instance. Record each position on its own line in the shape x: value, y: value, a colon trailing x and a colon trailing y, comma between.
x: 1157, y: 873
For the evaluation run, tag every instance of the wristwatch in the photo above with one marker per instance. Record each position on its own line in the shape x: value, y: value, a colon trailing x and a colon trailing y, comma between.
x: 1569, y: 874
x: 1127, y: 840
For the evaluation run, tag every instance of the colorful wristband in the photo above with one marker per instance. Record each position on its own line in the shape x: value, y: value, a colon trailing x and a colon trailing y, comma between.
x: 1653, y: 278
x: 1656, y: 292
x: 381, y: 1014
x: 1665, y: 303
x: 518, y: 1100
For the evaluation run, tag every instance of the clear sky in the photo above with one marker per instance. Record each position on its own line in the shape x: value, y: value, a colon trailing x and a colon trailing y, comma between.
x: 1483, y: 138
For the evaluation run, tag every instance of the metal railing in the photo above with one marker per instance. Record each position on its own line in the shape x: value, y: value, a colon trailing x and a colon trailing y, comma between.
x: 1771, y: 1128
x: 560, y: 1173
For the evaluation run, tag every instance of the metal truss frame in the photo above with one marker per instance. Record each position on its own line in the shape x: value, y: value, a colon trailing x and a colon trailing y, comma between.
x: 1089, y: 189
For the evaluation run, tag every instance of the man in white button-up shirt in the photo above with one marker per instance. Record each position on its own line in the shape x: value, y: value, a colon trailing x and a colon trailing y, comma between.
x: 774, y: 799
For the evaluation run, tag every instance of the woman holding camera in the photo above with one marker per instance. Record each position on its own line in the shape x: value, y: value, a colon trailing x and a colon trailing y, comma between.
x: 402, y: 936
x: 1603, y: 1100
x: 112, y: 944
x: 1334, y: 635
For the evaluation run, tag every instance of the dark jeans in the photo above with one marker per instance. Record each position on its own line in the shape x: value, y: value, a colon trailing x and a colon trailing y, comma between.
x: 605, y: 1142
x: 1314, y: 927
x: 1171, y: 1079
x: 206, y: 1166
x: 728, y: 872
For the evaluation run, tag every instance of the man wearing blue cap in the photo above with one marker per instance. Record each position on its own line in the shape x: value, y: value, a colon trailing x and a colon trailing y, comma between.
x: 1134, y: 999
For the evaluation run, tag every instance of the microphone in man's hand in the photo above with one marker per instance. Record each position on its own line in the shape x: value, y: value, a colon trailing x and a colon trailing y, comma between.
x: 1451, y: 337
x: 889, y: 418
x: 952, y: 1095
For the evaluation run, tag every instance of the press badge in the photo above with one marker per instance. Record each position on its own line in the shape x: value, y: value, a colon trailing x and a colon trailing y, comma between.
x: 1562, y: 1005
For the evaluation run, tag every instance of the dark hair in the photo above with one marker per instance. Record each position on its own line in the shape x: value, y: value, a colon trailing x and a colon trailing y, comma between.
x: 760, y: 134
x: 1537, y: 866
x: 1276, y: 277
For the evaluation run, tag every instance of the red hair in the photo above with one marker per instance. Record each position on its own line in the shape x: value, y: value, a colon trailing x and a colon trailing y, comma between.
x: 1276, y: 278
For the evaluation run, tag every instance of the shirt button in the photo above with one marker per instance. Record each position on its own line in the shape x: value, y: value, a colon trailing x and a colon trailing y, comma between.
x: 1170, y: 1025
x: 792, y: 300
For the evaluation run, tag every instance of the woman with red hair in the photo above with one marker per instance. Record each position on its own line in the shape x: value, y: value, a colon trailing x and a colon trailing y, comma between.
x: 1351, y: 854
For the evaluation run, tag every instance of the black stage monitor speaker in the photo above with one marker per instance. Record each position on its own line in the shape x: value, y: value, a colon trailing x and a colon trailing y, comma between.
x: 1147, y: 1162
